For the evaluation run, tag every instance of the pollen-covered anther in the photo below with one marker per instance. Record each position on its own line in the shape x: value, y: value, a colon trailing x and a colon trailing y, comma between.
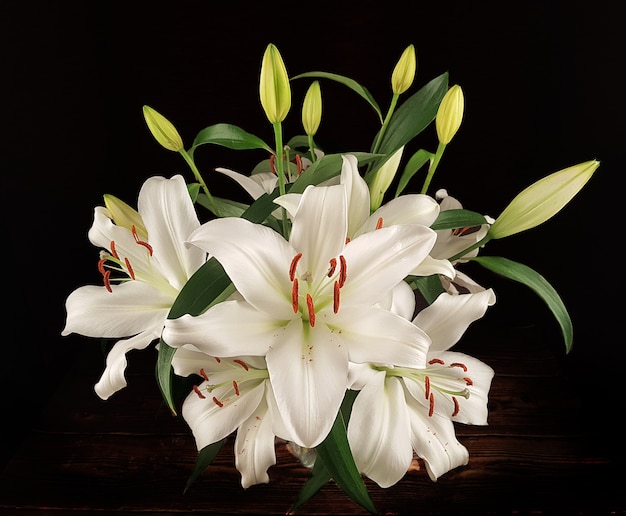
x: 139, y: 241
x: 241, y: 363
x: 379, y: 223
x: 456, y: 406
x: 436, y: 361
x: 299, y: 163
x: 426, y: 387
x: 204, y: 375
x: 236, y: 387
x: 101, y: 263
x: 295, y: 303
x: 468, y: 380
x: 336, y: 297
x: 431, y: 405
x: 129, y: 267
x: 196, y: 389
x: 106, y: 277
x: 113, y: 250
x: 333, y: 266
x: 294, y: 265
x: 311, y: 309
x: 459, y: 364
x: 217, y: 402
x: 343, y: 270
x: 272, y: 163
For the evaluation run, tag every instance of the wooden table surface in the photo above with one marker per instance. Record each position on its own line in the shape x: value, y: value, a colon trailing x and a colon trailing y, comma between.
x: 545, y: 451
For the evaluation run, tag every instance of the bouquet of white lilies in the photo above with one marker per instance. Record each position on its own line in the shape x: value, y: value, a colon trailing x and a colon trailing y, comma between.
x: 296, y: 317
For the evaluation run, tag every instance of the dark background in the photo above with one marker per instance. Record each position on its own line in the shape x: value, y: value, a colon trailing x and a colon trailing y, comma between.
x: 544, y: 89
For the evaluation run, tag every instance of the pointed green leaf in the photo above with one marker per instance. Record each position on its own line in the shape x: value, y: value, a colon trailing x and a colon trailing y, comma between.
x: 536, y: 282
x: 164, y: 374
x: 350, y: 83
x: 429, y: 286
x: 229, y: 136
x: 452, y: 219
x: 203, y: 461
x: 320, y: 476
x: 417, y: 161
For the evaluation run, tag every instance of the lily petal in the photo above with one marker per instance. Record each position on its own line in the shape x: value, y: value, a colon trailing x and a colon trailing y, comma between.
x: 406, y: 209
x: 400, y: 301
x: 358, y: 194
x: 256, y: 185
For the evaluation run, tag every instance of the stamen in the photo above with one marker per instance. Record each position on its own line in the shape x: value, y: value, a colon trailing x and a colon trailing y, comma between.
x: 456, y: 406
x: 299, y: 163
x: 113, y: 251
x: 431, y: 408
x: 459, y: 364
x: 236, y: 387
x: 217, y: 402
x: 347, y: 240
x: 427, y: 387
x: 294, y: 264
x: 379, y: 223
x: 333, y: 266
x: 311, y: 308
x: 107, y: 282
x: 343, y: 271
x: 468, y: 381
x: 101, y: 265
x: 197, y: 391
x: 294, y: 296
x: 218, y: 359
x: 336, y: 293
x: 272, y: 161
x: 130, y: 269
x: 141, y: 242
x: 204, y: 375
x: 436, y: 361
x: 241, y: 363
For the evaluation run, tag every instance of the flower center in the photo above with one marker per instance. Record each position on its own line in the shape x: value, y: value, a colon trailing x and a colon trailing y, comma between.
x: 309, y: 299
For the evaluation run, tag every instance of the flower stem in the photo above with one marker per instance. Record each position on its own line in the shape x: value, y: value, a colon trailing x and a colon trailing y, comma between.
x: 476, y: 245
x: 383, y: 129
x: 280, y: 171
x: 432, y: 167
x: 198, y: 177
x: 311, y: 148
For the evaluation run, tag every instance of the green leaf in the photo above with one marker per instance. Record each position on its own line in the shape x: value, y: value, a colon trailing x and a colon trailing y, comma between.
x: 164, y: 374
x: 203, y: 461
x: 350, y: 83
x: 193, y: 189
x: 417, y: 161
x: 452, y: 219
x: 229, y: 136
x: 429, y: 286
x: 337, y: 457
x: 536, y: 282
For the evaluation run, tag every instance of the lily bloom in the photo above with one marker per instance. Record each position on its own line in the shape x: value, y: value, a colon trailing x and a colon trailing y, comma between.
x: 149, y: 272
x: 235, y: 394
x: 309, y: 304
x: 400, y: 411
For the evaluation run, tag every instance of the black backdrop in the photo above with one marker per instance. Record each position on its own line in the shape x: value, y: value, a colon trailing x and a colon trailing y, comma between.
x: 544, y: 89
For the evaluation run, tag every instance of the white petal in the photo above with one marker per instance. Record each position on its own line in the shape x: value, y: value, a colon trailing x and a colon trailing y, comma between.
x: 228, y: 329
x: 254, y: 447
x: 169, y: 217
x: 210, y: 422
x: 379, y: 431
x: 290, y: 202
x: 112, y: 379
x: 430, y: 266
x: 319, y: 228
x: 434, y: 441
x: 131, y: 308
x: 377, y: 261
x: 406, y: 209
x: 358, y: 194
x: 448, y: 317
x: 378, y: 336
x: 309, y: 373
x: 400, y: 301
x: 256, y: 185
x: 256, y: 259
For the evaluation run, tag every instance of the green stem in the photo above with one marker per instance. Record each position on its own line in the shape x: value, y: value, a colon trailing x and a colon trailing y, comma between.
x: 280, y: 171
x: 383, y: 129
x: 198, y: 177
x: 433, y: 166
x: 478, y: 244
x: 312, y: 148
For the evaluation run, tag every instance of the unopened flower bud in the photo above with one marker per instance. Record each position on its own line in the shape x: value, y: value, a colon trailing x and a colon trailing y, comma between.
x: 382, y: 179
x: 404, y: 72
x: 312, y: 109
x: 542, y: 200
x: 274, y: 88
x: 163, y: 130
x: 125, y: 216
x: 450, y: 114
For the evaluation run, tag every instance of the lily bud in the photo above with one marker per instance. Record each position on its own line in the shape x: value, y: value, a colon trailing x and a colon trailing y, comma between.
x: 125, y: 216
x: 312, y: 109
x: 274, y: 88
x: 383, y: 178
x: 542, y: 200
x: 163, y: 130
x: 450, y: 114
x: 404, y: 72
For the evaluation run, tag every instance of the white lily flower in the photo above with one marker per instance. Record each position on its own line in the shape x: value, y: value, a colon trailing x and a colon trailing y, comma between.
x: 235, y: 395
x: 407, y: 209
x: 151, y: 273
x: 399, y: 410
x: 309, y: 304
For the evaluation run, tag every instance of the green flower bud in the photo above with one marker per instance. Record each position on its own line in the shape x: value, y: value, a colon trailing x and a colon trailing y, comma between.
x: 542, y: 200
x: 450, y: 114
x: 382, y: 179
x: 404, y: 72
x: 312, y: 109
x: 274, y: 88
x: 163, y: 130
x: 125, y: 216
